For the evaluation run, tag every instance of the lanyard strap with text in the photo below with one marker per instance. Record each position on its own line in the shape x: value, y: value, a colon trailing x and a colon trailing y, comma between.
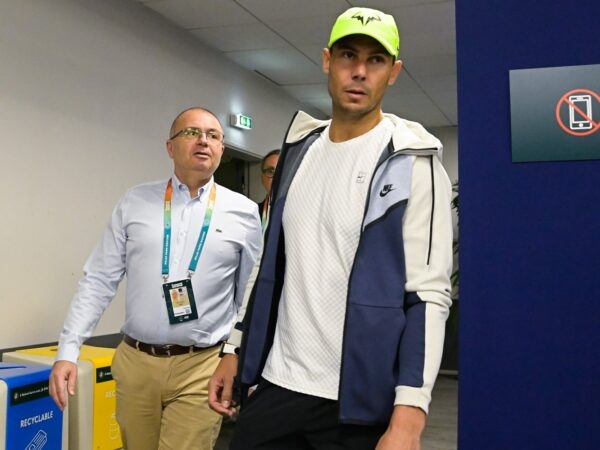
x: 201, y: 238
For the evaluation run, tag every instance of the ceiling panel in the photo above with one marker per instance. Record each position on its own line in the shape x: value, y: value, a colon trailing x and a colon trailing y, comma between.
x: 441, y: 64
x: 279, y: 65
x: 251, y: 36
x: 283, y: 39
x: 417, y: 107
x: 306, y: 92
x: 284, y: 9
x: 201, y: 13
x: 438, y: 84
x: 304, y: 31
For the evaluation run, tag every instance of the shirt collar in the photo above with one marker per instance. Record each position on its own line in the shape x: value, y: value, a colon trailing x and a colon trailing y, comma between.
x: 182, y: 189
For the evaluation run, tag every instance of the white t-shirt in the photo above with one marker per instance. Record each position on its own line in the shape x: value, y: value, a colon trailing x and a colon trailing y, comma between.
x: 322, y: 222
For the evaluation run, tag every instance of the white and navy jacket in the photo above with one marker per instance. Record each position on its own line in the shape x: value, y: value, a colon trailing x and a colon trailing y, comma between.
x: 399, y: 287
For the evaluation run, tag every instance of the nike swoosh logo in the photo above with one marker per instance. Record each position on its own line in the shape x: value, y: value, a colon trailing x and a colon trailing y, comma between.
x: 386, y: 190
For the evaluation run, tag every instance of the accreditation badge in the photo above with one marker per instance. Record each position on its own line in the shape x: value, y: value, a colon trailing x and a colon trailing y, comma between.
x: 181, y: 304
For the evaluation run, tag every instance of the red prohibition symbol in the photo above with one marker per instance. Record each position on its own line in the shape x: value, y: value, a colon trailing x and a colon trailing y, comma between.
x: 580, y: 104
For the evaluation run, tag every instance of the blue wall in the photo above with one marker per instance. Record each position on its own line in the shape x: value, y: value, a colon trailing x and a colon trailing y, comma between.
x: 530, y: 241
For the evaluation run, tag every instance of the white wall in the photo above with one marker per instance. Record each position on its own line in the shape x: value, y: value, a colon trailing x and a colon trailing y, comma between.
x: 88, y: 91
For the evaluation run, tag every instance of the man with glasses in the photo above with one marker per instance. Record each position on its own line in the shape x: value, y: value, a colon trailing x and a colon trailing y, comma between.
x: 344, y: 326
x: 187, y: 246
x: 267, y: 169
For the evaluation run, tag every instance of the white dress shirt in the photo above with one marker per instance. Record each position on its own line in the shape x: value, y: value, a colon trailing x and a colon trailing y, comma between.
x: 132, y: 245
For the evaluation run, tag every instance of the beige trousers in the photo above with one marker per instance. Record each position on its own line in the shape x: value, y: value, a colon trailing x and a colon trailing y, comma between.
x: 162, y: 402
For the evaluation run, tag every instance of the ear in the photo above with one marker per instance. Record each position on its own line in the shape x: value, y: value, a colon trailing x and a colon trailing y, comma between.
x: 396, y: 69
x: 222, y: 149
x: 326, y: 56
x: 169, y: 146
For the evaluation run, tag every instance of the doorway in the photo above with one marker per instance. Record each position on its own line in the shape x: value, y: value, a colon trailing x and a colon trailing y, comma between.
x: 234, y: 170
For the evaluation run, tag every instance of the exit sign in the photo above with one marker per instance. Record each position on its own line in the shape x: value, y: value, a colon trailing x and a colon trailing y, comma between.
x: 241, y: 121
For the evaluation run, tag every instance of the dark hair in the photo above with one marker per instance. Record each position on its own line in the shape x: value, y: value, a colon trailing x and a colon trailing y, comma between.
x: 341, y: 42
x: 271, y: 153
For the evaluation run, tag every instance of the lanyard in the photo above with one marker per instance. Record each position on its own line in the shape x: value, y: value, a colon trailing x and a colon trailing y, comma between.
x: 265, y: 212
x: 167, y: 230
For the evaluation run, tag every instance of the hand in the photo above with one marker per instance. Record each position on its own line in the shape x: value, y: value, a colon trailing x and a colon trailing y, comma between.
x: 404, y: 431
x: 220, y: 387
x: 63, y: 379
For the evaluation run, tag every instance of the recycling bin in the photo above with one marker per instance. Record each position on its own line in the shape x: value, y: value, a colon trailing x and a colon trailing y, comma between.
x: 92, y: 418
x: 29, y: 418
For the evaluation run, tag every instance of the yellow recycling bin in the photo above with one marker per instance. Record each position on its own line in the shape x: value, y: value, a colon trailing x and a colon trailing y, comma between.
x: 92, y: 421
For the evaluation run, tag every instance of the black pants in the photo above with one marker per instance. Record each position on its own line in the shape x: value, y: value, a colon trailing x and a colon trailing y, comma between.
x: 275, y: 418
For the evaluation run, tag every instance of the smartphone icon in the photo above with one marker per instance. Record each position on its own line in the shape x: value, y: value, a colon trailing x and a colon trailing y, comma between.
x: 577, y: 120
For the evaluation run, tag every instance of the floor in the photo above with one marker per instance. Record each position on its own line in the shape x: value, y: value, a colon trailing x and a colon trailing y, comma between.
x: 441, y: 430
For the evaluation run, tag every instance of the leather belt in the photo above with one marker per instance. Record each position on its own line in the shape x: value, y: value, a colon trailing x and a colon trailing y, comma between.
x: 162, y: 350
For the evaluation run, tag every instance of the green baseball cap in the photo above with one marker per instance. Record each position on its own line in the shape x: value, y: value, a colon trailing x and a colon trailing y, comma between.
x: 380, y: 26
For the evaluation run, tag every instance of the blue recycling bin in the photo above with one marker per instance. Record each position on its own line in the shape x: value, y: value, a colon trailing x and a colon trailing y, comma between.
x: 29, y: 418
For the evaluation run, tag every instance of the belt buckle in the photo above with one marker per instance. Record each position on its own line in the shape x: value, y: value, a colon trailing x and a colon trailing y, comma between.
x: 165, y: 350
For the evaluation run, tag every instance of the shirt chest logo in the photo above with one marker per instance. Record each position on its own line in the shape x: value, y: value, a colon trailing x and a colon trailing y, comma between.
x: 361, y: 177
x: 386, y: 190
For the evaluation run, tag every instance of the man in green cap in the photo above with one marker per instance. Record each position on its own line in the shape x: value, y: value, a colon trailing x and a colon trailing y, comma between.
x: 344, y: 326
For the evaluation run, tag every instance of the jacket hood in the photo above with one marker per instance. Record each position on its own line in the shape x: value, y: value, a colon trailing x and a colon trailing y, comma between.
x: 409, y: 137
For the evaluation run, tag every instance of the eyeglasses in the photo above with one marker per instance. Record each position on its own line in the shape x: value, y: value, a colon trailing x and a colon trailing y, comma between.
x: 212, y: 136
x: 268, y: 172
